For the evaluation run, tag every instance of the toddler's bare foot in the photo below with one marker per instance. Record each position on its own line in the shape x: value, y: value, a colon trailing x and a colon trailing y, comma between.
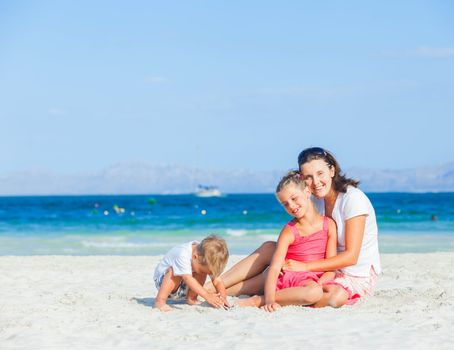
x: 193, y: 302
x: 162, y: 307
x: 254, y: 301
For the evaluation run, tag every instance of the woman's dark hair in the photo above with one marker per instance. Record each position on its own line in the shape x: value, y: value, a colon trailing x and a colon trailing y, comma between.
x: 340, y: 181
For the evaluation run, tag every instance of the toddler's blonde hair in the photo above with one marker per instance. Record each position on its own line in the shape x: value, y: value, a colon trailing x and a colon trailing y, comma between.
x: 213, y: 253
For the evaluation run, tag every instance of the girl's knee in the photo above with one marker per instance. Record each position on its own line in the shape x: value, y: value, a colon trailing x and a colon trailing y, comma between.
x: 314, y: 294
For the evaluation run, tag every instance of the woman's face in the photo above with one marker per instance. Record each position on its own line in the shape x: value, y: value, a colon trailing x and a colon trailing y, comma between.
x: 318, y: 176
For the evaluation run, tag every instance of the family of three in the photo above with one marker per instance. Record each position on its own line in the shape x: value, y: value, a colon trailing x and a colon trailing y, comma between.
x: 327, y: 255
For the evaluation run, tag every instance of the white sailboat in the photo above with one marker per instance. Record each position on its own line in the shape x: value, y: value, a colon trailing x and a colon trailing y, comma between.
x: 208, y: 191
x: 203, y: 190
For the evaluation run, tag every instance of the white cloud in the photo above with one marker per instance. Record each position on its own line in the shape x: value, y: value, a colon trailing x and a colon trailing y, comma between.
x: 57, y: 112
x: 156, y: 80
x: 422, y: 52
x: 434, y: 52
x: 339, y: 90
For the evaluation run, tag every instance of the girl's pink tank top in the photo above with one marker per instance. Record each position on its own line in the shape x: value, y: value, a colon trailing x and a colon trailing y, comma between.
x: 308, y: 248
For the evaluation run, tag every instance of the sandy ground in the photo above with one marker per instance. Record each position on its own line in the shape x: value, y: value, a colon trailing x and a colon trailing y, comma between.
x: 64, y: 302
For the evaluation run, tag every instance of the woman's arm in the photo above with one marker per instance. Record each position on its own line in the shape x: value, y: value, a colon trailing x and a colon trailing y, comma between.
x: 331, y: 250
x: 285, y: 239
x: 354, y: 233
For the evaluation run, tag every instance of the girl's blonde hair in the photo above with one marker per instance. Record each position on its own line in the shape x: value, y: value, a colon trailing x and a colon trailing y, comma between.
x: 292, y: 177
x: 213, y: 253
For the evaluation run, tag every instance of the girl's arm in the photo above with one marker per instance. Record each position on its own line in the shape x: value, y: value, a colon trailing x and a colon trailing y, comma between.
x: 285, y: 239
x: 331, y: 250
x: 354, y: 233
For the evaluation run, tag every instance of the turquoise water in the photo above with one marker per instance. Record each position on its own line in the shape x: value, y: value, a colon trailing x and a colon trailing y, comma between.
x: 150, y: 225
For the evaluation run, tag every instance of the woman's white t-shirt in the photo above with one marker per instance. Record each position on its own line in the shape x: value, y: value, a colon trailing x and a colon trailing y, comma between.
x: 348, y: 205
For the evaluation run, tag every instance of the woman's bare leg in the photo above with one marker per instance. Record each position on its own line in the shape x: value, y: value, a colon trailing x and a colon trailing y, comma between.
x: 254, y: 301
x: 333, y: 295
x: 305, y: 295
x: 247, y: 268
x: 252, y: 286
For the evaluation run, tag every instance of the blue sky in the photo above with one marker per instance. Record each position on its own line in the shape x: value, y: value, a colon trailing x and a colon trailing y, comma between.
x: 225, y: 85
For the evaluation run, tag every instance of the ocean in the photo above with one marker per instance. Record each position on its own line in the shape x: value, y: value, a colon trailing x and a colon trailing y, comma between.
x: 152, y: 224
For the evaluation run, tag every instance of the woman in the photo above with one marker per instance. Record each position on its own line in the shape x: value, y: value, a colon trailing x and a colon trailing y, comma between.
x: 336, y: 196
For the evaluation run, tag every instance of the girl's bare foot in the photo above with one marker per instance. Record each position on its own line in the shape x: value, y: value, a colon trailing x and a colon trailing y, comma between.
x: 254, y: 301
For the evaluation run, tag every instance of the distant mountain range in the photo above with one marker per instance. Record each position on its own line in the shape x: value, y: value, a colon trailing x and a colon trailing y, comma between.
x: 144, y: 178
x: 425, y: 179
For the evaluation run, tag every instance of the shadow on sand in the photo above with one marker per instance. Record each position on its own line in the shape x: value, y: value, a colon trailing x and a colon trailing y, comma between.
x: 149, y: 302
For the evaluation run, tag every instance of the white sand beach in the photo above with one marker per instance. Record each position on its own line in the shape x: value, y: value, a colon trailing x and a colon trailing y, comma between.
x: 65, y: 302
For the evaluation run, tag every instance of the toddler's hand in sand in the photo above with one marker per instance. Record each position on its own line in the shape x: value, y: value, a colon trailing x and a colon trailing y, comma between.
x: 226, y: 304
x: 215, y: 300
x: 271, y: 307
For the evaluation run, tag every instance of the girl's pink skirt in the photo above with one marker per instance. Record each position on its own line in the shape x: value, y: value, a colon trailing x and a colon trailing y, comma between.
x: 356, y: 287
x: 296, y: 279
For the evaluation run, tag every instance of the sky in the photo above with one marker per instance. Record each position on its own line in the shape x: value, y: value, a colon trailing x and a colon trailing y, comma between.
x: 225, y: 84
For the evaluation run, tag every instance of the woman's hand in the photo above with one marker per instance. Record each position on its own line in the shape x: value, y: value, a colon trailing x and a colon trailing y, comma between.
x: 293, y: 265
x: 271, y: 307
